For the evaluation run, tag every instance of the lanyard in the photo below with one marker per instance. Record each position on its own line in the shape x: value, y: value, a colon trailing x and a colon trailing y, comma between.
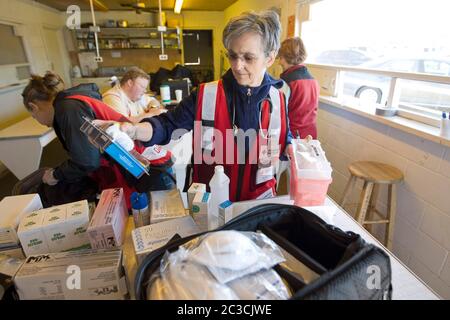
x: 261, y: 104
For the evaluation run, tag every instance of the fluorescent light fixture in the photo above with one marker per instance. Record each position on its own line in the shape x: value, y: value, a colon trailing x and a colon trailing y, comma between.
x: 178, y: 5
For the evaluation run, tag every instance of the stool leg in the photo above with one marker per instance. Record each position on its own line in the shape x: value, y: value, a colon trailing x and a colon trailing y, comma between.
x: 372, y: 205
x: 392, y: 203
x: 347, y: 190
x: 364, y: 202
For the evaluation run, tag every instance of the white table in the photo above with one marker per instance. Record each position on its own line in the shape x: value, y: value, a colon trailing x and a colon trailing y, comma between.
x: 406, y: 285
x: 21, y: 146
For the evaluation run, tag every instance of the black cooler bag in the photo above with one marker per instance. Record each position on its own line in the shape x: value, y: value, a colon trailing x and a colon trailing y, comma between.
x: 345, y: 262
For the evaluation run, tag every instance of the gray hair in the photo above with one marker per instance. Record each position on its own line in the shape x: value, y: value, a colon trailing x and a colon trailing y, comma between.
x: 266, y: 24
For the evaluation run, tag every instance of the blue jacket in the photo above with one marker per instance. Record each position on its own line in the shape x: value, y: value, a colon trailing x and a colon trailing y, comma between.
x: 247, y: 109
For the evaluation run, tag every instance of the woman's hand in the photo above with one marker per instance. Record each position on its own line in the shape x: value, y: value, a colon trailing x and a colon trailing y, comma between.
x: 129, y: 129
x: 48, y: 177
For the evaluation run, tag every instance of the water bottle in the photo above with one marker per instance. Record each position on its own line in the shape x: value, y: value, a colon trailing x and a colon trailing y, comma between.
x: 219, y: 187
x: 139, y: 207
x: 165, y: 94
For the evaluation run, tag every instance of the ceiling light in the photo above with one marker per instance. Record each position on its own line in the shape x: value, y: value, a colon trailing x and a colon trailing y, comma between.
x: 178, y: 5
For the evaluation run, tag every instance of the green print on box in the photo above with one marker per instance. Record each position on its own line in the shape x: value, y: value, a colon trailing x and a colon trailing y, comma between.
x: 34, y: 242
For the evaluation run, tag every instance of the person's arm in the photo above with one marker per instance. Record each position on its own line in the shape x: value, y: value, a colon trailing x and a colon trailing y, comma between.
x: 159, y: 129
x: 164, y: 125
x: 83, y: 156
x: 150, y: 113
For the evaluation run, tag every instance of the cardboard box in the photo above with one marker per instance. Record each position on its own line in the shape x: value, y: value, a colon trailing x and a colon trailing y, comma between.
x: 103, y: 141
x: 78, y: 217
x: 63, y: 228
x: 165, y: 205
x: 8, y: 268
x: 151, y: 237
x: 107, y: 227
x: 193, y: 189
x: 200, y: 209
x: 225, y: 212
x: 55, y: 231
x: 14, y: 251
x: 12, y: 210
x: 31, y: 233
x: 73, y: 275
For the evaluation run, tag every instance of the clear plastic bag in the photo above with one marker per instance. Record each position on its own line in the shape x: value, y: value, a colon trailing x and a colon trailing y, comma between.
x: 229, y: 255
x: 263, y: 285
x: 220, y: 265
x: 180, y: 279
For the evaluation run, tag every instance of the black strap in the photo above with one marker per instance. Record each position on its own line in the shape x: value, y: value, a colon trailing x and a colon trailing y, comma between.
x: 187, y: 179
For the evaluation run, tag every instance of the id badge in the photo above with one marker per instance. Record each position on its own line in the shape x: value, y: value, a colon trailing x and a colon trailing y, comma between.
x: 264, y: 174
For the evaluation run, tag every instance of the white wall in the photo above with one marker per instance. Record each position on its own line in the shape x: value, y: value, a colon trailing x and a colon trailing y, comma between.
x: 32, y: 16
x: 422, y: 226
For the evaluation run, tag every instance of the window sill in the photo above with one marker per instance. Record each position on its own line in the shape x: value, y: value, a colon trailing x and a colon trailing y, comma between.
x: 410, y: 126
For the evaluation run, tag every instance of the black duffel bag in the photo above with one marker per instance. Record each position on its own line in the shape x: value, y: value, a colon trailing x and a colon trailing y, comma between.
x: 348, y: 267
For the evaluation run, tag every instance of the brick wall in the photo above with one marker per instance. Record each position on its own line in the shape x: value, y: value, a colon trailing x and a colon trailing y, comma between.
x: 422, y: 228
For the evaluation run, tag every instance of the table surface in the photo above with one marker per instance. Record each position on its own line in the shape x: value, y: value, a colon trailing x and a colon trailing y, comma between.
x: 406, y: 285
x: 27, y: 128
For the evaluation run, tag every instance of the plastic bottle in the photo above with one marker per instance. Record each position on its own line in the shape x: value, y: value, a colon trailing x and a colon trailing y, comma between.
x: 445, y: 126
x: 165, y: 94
x: 139, y: 207
x: 219, y: 187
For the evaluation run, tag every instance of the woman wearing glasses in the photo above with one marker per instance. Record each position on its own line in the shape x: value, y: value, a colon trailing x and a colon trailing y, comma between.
x: 240, y: 121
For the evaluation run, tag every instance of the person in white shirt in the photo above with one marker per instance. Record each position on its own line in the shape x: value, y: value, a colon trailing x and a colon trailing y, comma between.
x: 128, y: 97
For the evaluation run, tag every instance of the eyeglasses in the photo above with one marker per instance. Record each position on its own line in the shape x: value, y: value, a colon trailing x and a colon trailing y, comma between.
x: 247, y: 57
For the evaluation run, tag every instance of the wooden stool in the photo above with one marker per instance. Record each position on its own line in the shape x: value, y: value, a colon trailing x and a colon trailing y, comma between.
x: 373, y: 174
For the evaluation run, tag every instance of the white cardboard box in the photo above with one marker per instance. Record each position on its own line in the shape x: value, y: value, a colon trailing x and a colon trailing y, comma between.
x: 200, y: 209
x: 165, y: 205
x: 193, y: 189
x: 12, y: 210
x: 31, y: 233
x: 78, y: 216
x: 225, y: 212
x: 63, y: 228
x: 151, y: 237
x: 55, y: 231
x: 73, y: 275
x: 107, y: 227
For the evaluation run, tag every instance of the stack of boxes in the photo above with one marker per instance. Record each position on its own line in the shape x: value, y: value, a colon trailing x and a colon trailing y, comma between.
x: 55, y: 229
x: 53, y: 239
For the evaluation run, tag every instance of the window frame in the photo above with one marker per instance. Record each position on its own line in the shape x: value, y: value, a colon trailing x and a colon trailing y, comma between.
x: 416, y: 113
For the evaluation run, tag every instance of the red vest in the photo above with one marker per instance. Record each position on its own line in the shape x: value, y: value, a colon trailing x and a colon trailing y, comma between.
x: 243, y: 184
x: 108, y: 175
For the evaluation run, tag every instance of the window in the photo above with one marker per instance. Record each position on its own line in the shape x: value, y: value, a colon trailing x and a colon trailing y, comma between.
x: 407, y: 36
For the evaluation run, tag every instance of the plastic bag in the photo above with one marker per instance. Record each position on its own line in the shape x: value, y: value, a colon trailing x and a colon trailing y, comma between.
x: 220, y: 265
x: 181, y: 279
x: 229, y: 255
x: 263, y: 285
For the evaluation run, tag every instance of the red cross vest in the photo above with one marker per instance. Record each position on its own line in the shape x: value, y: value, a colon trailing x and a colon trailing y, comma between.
x: 108, y: 175
x: 215, y: 143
